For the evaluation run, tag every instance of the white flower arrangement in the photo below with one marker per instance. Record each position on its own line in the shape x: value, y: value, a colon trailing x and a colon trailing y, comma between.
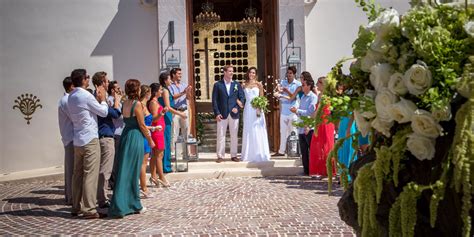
x: 410, y: 80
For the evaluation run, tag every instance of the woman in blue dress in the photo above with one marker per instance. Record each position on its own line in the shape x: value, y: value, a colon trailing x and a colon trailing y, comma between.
x: 346, y: 153
x: 167, y: 101
x: 126, y: 196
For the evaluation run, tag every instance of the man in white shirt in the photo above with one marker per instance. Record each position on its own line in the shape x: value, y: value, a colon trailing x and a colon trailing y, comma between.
x: 286, y: 116
x: 67, y: 132
x: 83, y: 110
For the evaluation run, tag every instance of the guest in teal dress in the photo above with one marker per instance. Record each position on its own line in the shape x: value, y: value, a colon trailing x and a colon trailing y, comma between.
x: 346, y: 151
x: 126, y: 196
x: 167, y: 101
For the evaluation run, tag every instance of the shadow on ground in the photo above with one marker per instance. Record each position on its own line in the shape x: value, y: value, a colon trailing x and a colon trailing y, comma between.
x: 308, y: 183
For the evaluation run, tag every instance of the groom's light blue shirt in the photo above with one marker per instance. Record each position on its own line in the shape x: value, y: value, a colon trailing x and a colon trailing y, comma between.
x: 307, y: 107
x: 287, y: 104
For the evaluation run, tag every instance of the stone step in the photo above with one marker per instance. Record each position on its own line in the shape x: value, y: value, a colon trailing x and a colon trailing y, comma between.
x: 204, y: 168
x: 234, y: 172
x: 230, y: 164
x: 207, y: 168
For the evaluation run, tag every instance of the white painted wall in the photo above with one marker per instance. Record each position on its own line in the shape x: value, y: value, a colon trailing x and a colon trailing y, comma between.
x: 331, y: 26
x: 292, y: 9
x: 174, y: 10
x: 41, y: 42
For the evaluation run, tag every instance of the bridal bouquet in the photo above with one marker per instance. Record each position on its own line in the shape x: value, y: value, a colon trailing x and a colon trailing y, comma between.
x: 411, y: 88
x: 260, y: 103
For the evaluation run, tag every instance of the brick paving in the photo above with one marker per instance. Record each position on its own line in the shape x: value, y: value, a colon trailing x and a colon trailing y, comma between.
x: 270, y: 206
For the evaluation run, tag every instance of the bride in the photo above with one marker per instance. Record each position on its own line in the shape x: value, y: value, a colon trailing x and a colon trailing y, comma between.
x: 254, y: 136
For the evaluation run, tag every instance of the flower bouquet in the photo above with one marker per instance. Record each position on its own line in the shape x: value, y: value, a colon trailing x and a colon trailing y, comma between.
x: 260, y: 103
x: 411, y: 88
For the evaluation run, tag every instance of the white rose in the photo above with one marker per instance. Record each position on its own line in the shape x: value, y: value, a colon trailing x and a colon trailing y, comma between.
x: 368, y: 114
x: 418, y: 78
x: 382, y: 126
x: 469, y: 28
x: 368, y: 109
x: 387, y: 21
x: 362, y: 124
x: 380, y: 75
x: 396, y: 84
x: 370, y: 59
x: 442, y: 114
x: 402, y: 111
x: 423, y: 148
x: 383, y: 101
x: 424, y: 124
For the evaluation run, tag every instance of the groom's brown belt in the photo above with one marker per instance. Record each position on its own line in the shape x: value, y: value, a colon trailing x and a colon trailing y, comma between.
x: 182, y: 109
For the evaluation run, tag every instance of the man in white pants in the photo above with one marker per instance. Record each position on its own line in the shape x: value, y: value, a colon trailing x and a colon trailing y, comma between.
x: 286, y: 116
x: 181, y: 93
x: 225, y: 95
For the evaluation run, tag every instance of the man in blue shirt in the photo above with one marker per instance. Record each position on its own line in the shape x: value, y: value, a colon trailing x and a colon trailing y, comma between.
x: 286, y: 116
x: 181, y: 94
x: 306, y: 108
x: 106, y: 140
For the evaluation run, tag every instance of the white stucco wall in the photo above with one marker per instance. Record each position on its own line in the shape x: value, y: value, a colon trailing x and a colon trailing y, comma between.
x: 331, y: 26
x: 41, y: 42
x: 173, y: 11
x: 292, y: 9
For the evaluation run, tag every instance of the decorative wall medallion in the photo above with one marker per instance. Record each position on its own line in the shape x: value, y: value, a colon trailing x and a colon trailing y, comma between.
x: 27, y: 104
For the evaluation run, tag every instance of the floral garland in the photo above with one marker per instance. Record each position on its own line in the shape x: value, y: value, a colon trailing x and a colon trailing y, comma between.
x: 408, y: 74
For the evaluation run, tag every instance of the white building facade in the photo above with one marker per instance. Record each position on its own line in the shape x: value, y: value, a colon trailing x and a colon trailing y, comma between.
x: 41, y: 42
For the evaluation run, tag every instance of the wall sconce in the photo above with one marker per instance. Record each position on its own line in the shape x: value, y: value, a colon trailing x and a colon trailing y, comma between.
x: 293, y: 57
x: 172, y: 58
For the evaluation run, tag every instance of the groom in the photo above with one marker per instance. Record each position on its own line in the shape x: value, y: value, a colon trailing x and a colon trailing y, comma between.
x: 226, y: 109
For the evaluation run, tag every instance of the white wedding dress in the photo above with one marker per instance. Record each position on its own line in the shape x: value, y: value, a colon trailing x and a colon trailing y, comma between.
x: 254, y: 137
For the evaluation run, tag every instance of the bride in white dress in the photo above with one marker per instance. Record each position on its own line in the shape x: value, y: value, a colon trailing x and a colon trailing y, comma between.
x: 254, y: 136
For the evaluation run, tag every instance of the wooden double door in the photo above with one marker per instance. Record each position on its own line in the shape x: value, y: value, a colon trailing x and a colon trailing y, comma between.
x: 209, y: 50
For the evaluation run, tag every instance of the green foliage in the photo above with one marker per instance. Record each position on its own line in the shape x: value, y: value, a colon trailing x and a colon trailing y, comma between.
x: 463, y: 159
x: 365, y: 197
x: 200, y: 119
x: 362, y: 43
x: 260, y: 102
x: 370, y: 8
x: 402, y: 215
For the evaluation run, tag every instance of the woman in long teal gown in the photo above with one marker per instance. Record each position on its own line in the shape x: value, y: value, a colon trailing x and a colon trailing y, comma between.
x: 126, y: 196
x: 166, y: 100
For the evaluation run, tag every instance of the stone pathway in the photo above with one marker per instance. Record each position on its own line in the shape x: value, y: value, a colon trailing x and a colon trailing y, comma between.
x: 243, y: 206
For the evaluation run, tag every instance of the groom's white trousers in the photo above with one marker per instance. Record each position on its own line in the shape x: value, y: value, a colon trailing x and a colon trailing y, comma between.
x: 221, y: 131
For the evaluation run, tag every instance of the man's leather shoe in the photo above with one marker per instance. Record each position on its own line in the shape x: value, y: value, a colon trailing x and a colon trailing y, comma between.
x: 278, y: 154
x: 235, y: 159
x: 91, y: 216
x: 219, y: 160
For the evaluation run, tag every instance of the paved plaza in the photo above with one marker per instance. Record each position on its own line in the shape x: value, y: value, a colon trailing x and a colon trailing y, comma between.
x: 241, y: 206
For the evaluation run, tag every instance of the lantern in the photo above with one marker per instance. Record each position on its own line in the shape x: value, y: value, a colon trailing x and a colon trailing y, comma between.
x: 292, y: 145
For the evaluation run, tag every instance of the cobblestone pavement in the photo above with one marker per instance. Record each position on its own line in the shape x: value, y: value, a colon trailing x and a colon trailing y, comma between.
x: 275, y: 206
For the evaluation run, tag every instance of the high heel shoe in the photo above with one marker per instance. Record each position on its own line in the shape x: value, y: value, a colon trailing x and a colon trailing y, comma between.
x: 164, y: 183
x: 154, y: 181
